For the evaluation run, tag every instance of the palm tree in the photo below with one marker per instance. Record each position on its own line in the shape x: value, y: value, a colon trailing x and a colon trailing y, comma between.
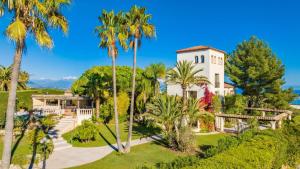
x: 111, y: 31
x: 154, y: 72
x: 138, y: 26
x: 185, y: 75
x: 34, y: 17
x: 95, y: 88
x: 5, y: 79
x: 165, y: 111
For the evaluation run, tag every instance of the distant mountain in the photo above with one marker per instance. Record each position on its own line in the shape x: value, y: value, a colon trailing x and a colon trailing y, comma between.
x: 51, y: 83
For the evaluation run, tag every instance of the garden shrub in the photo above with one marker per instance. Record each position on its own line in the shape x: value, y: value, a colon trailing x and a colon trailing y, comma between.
x: 216, y: 104
x: 123, y: 103
x: 86, y: 132
x: 107, y: 108
x: 235, y: 104
x: 207, y: 122
x: 106, y: 113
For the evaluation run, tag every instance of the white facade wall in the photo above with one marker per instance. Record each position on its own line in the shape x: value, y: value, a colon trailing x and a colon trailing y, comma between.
x: 209, y: 71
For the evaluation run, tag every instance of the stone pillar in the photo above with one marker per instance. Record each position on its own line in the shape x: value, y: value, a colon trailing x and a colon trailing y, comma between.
x: 240, y: 127
x: 78, y: 104
x: 217, y: 124
x: 263, y: 113
x: 279, y: 123
x: 45, y: 102
x: 58, y: 103
x: 273, y: 125
x: 222, y: 123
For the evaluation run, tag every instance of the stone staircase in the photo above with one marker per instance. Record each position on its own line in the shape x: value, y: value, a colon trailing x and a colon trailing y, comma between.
x: 65, y: 124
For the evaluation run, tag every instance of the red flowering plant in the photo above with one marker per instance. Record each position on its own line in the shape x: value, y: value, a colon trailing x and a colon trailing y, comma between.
x: 206, y: 101
x: 205, y: 106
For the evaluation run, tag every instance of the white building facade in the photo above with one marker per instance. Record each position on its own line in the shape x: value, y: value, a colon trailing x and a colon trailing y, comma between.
x: 209, y: 59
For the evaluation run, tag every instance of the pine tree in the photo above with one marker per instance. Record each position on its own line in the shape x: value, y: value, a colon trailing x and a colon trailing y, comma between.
x: 255, y: 69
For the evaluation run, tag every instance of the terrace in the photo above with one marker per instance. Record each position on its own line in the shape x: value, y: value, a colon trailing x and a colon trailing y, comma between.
x: 79, y: 107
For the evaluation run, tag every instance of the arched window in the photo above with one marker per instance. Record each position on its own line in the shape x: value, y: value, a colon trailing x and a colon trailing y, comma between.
x: 202, y: 58
x: 196, y: 59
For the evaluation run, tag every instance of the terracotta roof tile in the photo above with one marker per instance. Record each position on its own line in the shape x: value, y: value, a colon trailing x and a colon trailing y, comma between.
x: 197, y: 48
x: 228, y: 85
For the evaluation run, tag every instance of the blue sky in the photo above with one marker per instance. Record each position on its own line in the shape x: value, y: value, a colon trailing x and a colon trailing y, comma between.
x: 181, y: 23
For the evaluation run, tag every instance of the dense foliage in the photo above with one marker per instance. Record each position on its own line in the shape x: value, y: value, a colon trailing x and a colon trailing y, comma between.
x: 87, y: 131
x: 5, y: 79
x: 235, y: 104
x: 106, y: 109
x: 255, y: 69
x: 166, y: 112
x: 253, y: 149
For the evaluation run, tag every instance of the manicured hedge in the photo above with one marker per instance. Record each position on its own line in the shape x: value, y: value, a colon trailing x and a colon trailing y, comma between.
x: 264, y: 150
x: 24, y: 99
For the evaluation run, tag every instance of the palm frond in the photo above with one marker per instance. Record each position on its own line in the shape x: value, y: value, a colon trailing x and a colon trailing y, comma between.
x: 16, y: 31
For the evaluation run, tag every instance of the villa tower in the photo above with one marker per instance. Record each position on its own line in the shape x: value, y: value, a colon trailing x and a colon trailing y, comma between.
x: 209, y: 59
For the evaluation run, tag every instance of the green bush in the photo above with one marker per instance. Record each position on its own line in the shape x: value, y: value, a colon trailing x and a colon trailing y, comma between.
x: 86, y: 132
x: 235, y: 104
x: 107, y: 108
x: 216, y: 104
x: 207, y: 122
x: 266, y: 149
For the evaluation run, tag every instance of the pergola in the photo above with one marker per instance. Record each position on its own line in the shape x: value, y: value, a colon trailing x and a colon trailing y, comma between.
x: 41, y: 100
x: 275, y: 120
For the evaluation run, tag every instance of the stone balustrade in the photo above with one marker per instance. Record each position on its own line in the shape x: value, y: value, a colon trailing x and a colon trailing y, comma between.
x: 83, y: 114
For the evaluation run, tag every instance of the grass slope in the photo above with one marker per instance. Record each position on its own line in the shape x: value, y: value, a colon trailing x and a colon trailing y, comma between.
x: 21, y: 150
x: 147, y: 154
x: 24, y: 98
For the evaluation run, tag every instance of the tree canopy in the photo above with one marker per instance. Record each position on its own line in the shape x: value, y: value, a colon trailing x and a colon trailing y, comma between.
x: 123, y: 79
x: 255, y: 69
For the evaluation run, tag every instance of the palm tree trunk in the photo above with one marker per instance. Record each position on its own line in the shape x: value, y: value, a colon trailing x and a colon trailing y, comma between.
x: 11, y: 106
x: 184, y: 97
x: 128, y: 144
x: 97, y: 106
x: 119, y: 143
x: 184, y: 119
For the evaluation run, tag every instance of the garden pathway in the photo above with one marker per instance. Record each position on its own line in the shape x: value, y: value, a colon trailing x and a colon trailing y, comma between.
x: 65, y: 156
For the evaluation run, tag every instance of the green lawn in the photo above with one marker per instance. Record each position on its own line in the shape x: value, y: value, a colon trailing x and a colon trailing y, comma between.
x: 24, y: 98
x: 209, y: 139
x: 21, y: 150
x: 146, y: 154
x: 107, y: 134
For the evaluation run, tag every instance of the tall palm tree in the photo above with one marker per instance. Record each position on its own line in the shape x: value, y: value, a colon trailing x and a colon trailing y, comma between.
x: 5, y: 79
x: 185, y: 74
x: 29, y: 17
x: 111, y: 31
x: 154, y: 72
x: 139, y: 26
x: 95, y: 88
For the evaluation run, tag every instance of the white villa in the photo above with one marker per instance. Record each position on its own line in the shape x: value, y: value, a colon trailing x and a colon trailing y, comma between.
x: 211, y: 60
x: 77, y: 107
